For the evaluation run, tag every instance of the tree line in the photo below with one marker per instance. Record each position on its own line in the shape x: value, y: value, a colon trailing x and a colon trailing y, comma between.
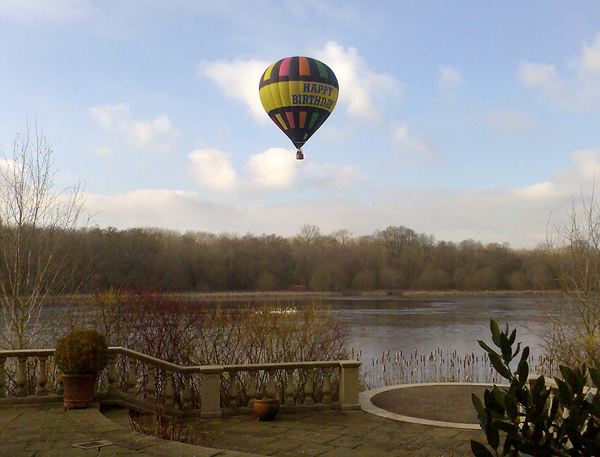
x: 396, y: 258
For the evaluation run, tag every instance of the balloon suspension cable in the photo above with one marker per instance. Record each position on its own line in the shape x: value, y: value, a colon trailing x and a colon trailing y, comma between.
x: 299, y: 155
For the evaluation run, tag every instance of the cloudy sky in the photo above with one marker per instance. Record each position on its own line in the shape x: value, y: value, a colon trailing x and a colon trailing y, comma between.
x: 459, y: 119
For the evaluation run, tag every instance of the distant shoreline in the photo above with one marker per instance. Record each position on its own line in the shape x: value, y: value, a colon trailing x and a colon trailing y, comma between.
x: 287, y: 294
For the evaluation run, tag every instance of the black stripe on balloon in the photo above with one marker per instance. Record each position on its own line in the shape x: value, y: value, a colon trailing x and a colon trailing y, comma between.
x: 299, y: 135
x: 312, y: 79
x: 315, y: 75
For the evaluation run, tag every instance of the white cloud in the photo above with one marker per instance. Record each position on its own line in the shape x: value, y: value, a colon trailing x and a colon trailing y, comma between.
x: 451, y: 81
x: 273, y: 169
x: 518, y: 216
x: 578, y: 90
x: 213, y: 169
x: 590, y: 59
x: 334, y: 177
x: 585, y: 170
x: 362, y: 91
x: 155, y: 135
x: 400, y: 137
x: 238, y: 80
x: 173, y: 209
x: 541, y: 75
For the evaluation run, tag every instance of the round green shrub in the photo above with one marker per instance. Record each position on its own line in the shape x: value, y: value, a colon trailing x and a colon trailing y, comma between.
x: 81, y: 352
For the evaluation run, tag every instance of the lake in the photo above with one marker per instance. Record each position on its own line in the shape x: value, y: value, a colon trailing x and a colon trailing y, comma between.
x: 453, y: 323
x: 395, y: 335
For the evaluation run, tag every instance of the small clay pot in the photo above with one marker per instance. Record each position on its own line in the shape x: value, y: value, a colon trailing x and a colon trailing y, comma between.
x: 266, y: 408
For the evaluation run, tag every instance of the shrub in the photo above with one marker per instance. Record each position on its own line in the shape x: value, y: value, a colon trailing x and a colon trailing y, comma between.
x: 81, y: 352
x: 534, y: 419
x: 183, y: 331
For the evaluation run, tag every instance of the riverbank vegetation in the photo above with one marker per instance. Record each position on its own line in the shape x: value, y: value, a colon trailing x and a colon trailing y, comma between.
x: 393, y: 259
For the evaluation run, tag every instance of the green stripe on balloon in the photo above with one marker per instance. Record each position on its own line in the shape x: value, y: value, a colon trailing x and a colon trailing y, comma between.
x: 322, y: 70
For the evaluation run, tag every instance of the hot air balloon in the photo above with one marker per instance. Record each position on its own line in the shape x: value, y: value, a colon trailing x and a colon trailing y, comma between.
x: 298, y: 94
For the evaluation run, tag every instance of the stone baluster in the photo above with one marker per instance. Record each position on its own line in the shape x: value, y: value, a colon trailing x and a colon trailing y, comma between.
x: 169, y: 391
x: 112, y: 374
x: 326, y: 386
x: 290, y: 388
x: 233, y: 390
x: 21, y: 379
x: 42, y: 378
x: 151, y: 384
x: 271, y: 392
x: 308, y: 387
x: 187, y: 391
x: 132, y: 378
x: 60, y: 388
x: 253, y: 387
x: 2, y: 378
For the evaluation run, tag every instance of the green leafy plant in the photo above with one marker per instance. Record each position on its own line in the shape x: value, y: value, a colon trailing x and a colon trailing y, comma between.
x: 81, y: 352
x: 536, y: 419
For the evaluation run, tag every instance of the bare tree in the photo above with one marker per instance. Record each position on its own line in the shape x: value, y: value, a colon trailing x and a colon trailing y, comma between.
x: 36, y: 225
x: 573, y: 334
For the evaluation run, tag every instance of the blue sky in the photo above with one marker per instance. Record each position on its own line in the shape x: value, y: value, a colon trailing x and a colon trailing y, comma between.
x: 460, y: 119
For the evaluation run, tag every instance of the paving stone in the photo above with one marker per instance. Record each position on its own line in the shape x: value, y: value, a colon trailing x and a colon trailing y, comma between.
x: 49, y: 431
x: 279, y: 446
x: 314, y: 437
x: 14, y: 450
x: 242, y: 442
x: 309, y: 449
x: 129, y: 440
x: 347, y: 442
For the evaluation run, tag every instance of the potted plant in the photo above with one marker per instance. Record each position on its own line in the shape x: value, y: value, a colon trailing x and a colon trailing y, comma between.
x: 80, y: 355
x: 266, y: 408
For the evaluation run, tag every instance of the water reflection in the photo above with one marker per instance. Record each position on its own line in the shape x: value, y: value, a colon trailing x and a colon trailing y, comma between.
x: 397, y: 324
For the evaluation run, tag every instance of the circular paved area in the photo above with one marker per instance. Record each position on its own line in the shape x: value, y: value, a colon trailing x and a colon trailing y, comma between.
x: 439, y: 404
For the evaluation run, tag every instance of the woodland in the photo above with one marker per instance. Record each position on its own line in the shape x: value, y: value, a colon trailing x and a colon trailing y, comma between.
x: 393, y: 259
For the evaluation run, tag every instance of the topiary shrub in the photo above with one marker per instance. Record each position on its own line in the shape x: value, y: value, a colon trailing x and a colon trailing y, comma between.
x: 81, y: 352
x: 534, y: 419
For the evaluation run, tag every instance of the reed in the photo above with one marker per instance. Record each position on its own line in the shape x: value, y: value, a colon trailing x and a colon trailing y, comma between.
x: 441, y: 365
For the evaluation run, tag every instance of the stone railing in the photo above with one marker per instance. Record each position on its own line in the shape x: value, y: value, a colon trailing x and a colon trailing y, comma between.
x: 145, y: 383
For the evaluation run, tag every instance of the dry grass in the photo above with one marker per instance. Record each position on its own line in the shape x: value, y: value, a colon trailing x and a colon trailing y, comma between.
x: 438, y: 366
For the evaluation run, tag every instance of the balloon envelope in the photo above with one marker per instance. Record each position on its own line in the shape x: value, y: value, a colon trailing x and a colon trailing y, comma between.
x: 298, y: 94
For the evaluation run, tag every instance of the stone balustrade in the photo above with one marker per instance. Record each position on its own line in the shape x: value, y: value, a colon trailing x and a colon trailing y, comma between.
x: 145, y: 383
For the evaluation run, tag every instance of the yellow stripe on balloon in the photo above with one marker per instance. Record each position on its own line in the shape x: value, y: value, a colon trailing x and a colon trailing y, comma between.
x: 281, y: 121
x: 291, y: 94
x: 268, y: 71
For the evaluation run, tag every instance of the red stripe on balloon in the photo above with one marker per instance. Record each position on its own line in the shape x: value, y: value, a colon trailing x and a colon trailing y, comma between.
x: 290, y: 119
x: 284, y: 68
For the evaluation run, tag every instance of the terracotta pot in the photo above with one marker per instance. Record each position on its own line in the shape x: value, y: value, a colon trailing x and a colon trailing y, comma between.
x: 266, y: 408
x: 79, y: 390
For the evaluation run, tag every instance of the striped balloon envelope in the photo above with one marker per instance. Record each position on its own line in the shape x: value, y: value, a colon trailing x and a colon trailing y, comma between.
x: 298, y: 94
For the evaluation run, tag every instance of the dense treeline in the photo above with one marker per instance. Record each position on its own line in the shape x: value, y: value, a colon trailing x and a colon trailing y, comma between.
x: 396, y: 258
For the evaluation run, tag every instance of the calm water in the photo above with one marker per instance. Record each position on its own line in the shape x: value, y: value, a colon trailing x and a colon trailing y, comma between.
x: 451, y: 323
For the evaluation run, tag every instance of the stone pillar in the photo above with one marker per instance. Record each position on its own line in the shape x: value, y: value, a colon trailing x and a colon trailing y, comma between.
x: 211, y: 392
x: 2, y: 378
x: 349, y: 385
